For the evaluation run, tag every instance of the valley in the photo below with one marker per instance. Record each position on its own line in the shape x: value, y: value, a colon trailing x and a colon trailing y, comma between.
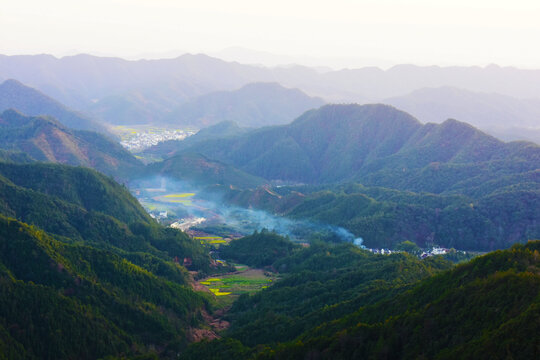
x: 197, y: 208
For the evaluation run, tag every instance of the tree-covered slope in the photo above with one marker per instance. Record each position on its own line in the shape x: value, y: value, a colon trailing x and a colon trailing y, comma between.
x: 486, y: 309
x: 44, y: 139
x: 376, y: 145
x: 341, y: 303
x: 64, y: 301
x: 77, y: 185
x: 82, y: 205
x: 258, y: 249
x: 201, y: 171
x: 384, y: 217
x: 321, y: 283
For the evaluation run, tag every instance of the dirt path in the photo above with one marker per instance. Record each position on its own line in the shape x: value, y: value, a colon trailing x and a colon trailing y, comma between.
x: 214, y: 323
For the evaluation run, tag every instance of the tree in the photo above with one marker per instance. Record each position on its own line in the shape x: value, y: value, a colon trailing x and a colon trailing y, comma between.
x: 409, y: 247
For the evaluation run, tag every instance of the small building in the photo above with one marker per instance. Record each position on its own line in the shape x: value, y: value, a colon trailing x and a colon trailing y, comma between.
x: 187, y: 262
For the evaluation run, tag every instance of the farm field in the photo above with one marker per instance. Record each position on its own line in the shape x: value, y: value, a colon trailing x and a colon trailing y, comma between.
x: 227, y: 288
x: 212, y: 240
x: 180, y: 198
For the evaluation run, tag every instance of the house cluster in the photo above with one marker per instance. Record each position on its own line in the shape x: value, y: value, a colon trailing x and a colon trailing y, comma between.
x: 185, y: 224
x: 426, y: 253
x: 434, y: 251
x: 382, y: 251
x: 159, y: 215
x: 142, y: 140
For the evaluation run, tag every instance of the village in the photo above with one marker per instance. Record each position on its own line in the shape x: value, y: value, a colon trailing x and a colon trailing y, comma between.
x: 136, y: 140
x: 424, y: 254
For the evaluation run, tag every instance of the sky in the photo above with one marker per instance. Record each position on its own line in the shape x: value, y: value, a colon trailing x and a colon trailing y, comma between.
x: 337, y: 33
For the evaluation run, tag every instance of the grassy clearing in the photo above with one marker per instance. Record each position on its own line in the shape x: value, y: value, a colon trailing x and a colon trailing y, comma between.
x: 180, y: 198
x: 216, y: 241
x: 240, y: 267
x: 228, y: 288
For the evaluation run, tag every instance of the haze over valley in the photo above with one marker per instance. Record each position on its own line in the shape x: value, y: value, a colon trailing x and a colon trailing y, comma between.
x: 363, y: 184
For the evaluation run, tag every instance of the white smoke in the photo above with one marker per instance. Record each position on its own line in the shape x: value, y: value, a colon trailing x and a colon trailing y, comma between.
x: 244, y: 221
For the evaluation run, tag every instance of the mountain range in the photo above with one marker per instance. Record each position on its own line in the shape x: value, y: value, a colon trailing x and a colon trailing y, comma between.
x: 376, y: 171
x: 15, y: 95
x: 253, y: 105
x: 376, y: 145
x: 114, y: 88
x: 43, y: 138
x: 87, y: 273
x: 505, y: 117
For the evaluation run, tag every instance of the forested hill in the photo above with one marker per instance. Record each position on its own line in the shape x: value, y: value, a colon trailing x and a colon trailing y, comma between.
x: 198, y: 169
x: 83, y: 205
x: 44, y: 139
x: 15, y: 95
x: 377, y: 145
x: 72, y: 301
x: 336, y: 302
x: 85, y: 273
x: 77, y: 185
x: 471, y: 312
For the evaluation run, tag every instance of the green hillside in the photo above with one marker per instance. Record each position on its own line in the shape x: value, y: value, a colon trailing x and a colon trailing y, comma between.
x: 486, y: 309
x: 60, y: 301
x: 259, y: 249
x: 384, y: 217
x: 201, y: 171
x: 84, y: 206
x: 338, y: 302
x: 377, y: 145
x: 447, y: 184
x: 45, y: 139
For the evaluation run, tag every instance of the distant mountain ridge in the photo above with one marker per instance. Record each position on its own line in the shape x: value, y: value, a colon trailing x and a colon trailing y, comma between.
x: 15, y: 95
x: 503, y: 116
x: 253, y: 105
x: 141, y: 89
x: 45, y: 139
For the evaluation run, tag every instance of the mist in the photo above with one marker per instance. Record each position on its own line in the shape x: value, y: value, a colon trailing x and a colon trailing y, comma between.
x: 242, y: 221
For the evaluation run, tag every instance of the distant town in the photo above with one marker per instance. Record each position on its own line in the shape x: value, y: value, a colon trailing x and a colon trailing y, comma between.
x: 137, y: 139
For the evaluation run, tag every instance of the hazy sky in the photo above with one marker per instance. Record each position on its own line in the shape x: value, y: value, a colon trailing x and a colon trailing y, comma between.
x: 414, y: 31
